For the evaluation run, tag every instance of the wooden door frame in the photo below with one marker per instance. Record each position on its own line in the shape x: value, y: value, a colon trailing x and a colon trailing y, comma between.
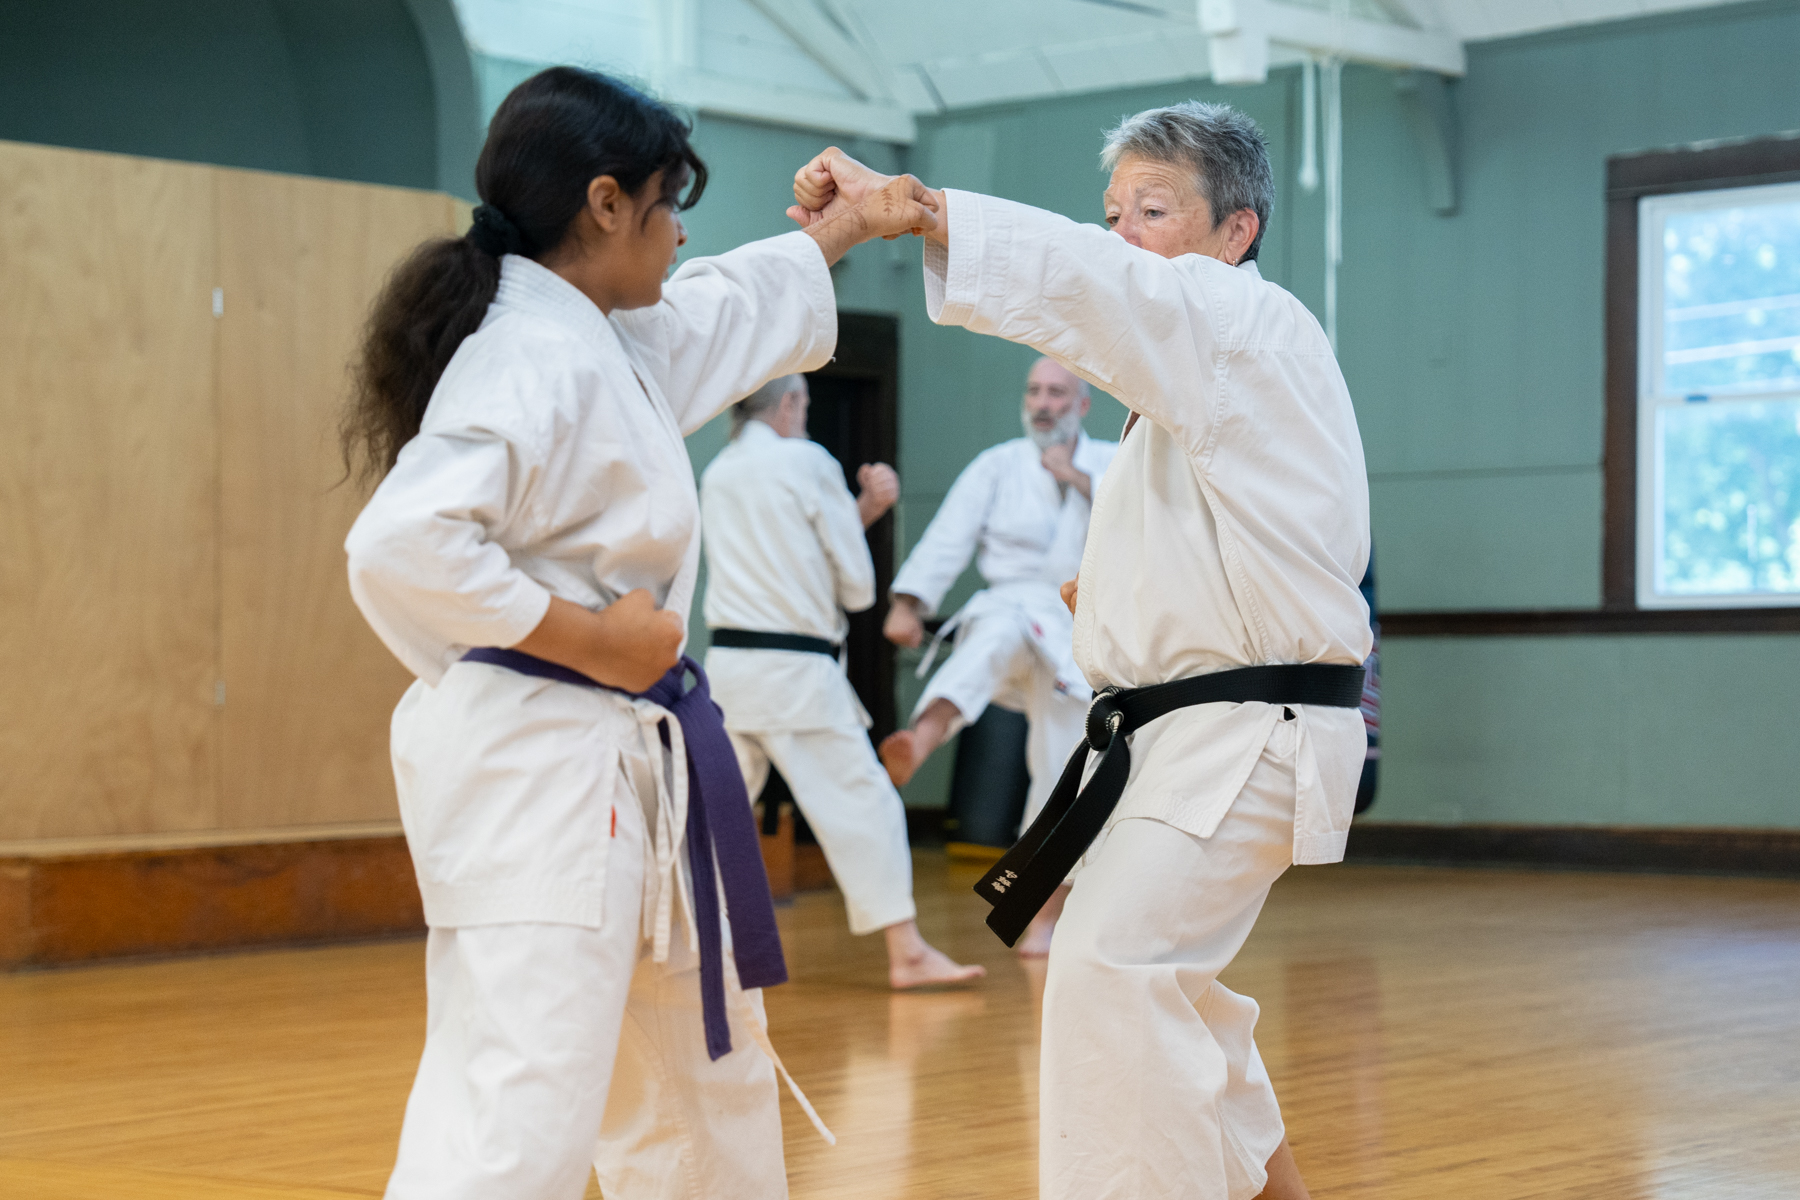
x: 868, y: 351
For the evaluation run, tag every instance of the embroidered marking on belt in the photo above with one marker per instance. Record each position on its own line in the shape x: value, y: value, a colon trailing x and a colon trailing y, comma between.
x: 1000, y: 885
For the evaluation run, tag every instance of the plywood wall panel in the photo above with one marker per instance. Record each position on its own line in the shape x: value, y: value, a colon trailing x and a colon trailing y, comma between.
x: 108, y: 600
x: 309, y: 689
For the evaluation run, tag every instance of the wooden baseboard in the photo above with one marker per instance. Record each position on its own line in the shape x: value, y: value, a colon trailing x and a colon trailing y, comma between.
x: 84, y: 906
x: 793, y: 866
x: 811, y: 872
x: 1768, y: 852
x: 81, y: 903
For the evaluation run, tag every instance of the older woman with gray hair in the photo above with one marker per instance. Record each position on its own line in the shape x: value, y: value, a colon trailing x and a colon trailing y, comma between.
x: 1217, y: 617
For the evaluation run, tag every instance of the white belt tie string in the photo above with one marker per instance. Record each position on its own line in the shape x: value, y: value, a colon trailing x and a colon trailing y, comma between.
x: 759, y: 1032
x: 670, y: 769
x: 931, y: 652
x: 671, y: 828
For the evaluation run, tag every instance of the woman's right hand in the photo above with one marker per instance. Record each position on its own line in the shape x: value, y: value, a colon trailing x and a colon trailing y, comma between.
x: 630, y: 644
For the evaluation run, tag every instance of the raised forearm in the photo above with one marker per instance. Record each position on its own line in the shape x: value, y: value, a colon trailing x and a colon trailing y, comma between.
x: 629, y: 645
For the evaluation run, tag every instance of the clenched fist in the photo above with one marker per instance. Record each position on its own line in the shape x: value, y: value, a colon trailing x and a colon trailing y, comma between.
x: 879, y: 487
x: 636, y: 642
x: 903, y: 626
x: 630, y: 644
x: 842, y: 203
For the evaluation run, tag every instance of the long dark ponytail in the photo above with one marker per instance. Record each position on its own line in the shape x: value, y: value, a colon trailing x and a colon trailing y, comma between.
x: 556, y: 133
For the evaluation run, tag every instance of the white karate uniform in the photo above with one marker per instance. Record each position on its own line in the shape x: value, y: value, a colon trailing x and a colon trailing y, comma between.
x: 785, y: 553
x: 1231, y: 530
x: 1013, y: 640
x: 540, y: 816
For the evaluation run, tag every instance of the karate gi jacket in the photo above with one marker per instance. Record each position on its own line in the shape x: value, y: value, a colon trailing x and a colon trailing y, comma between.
x: 1026, y: 535
x: 551, y: 462
x: 1233, y: 526
x: 785, y: 553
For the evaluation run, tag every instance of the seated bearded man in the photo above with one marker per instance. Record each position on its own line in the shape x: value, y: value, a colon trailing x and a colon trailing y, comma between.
x: 1021, y: 510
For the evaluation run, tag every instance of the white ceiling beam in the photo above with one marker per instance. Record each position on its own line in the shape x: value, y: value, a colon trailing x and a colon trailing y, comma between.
x: 727, y: 97
x: 1242, y: 30
x: 829, y: 46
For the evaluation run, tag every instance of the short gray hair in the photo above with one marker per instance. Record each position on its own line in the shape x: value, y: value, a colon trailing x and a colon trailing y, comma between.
x: 1221, y: 145
x: 763, y: 400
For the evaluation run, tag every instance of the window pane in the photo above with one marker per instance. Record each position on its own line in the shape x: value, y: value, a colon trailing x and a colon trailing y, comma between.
x: 1731, y: 299
x: 1730, y: 498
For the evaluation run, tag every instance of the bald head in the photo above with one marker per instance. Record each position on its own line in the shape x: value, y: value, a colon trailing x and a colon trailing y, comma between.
x: 1055, y: 401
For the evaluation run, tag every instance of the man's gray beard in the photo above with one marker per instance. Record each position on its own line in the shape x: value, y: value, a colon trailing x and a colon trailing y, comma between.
x: 1066, y: 430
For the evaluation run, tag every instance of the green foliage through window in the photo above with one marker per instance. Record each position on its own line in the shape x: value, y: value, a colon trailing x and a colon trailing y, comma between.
x: 1730, y: 498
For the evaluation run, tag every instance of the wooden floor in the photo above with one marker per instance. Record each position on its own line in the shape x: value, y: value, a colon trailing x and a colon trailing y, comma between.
x: 1432, y: 1033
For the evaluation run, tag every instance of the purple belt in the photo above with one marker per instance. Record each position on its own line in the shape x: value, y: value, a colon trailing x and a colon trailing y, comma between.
x: 719, y: 828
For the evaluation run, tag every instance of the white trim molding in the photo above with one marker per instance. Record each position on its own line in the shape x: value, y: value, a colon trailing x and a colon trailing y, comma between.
x: 1242, y: 32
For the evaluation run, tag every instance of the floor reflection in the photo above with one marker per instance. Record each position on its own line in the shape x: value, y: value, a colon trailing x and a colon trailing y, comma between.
x: 1433, y: 1035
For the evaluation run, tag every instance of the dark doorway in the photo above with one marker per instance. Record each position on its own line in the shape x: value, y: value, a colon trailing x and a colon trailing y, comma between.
x: 855, y: 414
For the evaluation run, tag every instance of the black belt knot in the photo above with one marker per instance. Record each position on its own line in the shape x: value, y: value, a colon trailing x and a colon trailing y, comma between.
x: 1073, y: 816
x: 1104, y: 718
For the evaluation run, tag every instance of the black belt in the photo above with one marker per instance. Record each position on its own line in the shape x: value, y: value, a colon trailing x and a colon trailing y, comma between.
x: 1027, y: 874
x: 749, y: 639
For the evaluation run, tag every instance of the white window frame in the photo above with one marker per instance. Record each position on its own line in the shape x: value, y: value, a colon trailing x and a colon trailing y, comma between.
x: 1653, y: 211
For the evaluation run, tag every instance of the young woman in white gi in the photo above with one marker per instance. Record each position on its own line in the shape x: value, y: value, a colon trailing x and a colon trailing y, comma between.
x: 1227, y: 538
x: 524, y: 391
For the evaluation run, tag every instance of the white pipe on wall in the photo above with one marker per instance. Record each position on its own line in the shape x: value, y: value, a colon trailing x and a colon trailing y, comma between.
x: 1309, y: 125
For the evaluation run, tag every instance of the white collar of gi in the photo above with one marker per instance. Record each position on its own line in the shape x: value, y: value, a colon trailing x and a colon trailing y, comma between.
x: 756, y: 430
x: 533, y: 288
x: 1251, y: 267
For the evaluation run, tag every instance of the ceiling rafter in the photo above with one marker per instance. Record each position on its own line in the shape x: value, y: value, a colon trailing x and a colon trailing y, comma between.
x: 827, y: 38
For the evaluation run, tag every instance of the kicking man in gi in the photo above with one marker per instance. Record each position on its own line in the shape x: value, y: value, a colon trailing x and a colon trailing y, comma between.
x: 1021, y: 510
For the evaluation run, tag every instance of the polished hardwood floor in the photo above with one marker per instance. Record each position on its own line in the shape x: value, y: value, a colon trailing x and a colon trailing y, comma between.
x: 1433, y: 1034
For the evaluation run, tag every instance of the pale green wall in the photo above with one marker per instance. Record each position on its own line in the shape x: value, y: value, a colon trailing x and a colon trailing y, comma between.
x: 1620, y: 730
x: 336, y: 88
x: 1472, y: 345
x: 1472, y: 348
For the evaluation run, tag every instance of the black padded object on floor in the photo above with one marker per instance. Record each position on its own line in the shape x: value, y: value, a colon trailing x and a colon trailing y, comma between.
x: 987, y: 790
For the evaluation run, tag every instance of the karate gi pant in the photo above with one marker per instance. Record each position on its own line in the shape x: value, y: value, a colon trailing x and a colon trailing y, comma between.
x: 844, y: 792
x: 550, y: 1048
x: 996, y: 662
x: 1150, y: 1084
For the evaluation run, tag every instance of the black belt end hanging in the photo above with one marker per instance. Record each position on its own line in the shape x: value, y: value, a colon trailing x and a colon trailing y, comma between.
x: 1028, y: 874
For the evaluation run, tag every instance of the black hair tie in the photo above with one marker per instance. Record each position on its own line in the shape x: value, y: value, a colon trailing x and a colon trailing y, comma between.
x: 493, y: 234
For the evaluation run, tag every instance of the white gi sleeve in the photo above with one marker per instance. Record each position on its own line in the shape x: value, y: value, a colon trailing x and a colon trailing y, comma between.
x: 951, y: 539
x: 1153, y: 331
x: 426, y: 568
x: 838, y: 523
x: 730, y: 323
x: 1093, y: 457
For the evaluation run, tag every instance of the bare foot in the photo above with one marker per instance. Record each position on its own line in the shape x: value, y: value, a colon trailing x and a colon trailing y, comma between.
x: 930, y: 966
x: 914, y: 962
x: 1035, y: 943
x: 897, y: 751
